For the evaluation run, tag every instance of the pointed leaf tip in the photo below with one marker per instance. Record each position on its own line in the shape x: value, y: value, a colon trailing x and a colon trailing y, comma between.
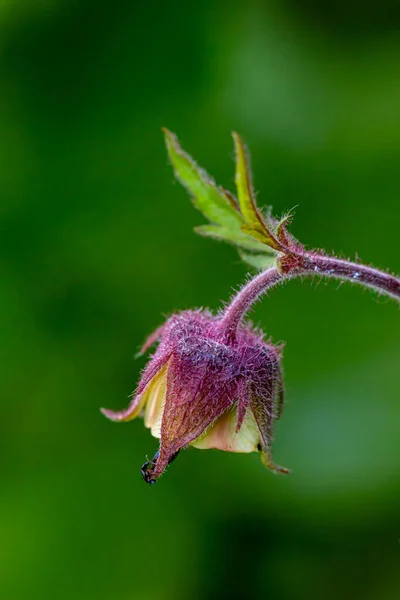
x: 255, y: 224
x: 243, y: 181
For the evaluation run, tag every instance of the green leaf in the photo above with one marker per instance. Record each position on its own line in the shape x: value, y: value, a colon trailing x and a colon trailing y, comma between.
x: 207, y: 197
x: 219, y: 206
x: 255, y: 224
x: 244, y: 183
x: 234, y: 237
x: 261, y: 262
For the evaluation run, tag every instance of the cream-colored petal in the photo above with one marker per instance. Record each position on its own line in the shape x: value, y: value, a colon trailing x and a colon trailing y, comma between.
x: 127, y: 414
x: 222, y: 434
x: 138, y: 402
x: 155, y: 402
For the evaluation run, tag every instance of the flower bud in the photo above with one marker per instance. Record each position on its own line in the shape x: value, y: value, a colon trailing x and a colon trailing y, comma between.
x: 200, y: 390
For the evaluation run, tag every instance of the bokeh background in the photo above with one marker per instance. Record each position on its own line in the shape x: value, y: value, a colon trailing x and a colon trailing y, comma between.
x: 97, y: 246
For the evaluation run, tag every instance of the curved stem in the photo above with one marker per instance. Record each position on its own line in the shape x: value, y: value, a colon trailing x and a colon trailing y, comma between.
x: 310, y: 264
x: 343, y: 269
x: 243, y: 300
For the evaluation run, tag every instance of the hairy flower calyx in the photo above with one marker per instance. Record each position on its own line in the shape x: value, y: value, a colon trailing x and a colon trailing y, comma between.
x: 201, y: 391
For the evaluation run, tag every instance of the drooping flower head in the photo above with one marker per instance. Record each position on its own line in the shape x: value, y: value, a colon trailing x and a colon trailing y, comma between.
x: 203, y: 389
x: 214, y: 381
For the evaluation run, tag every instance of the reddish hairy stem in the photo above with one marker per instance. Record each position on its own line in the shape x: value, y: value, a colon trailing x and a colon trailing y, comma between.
x: 343, y: 269
x: 307, y: 264
x: 243, y: 300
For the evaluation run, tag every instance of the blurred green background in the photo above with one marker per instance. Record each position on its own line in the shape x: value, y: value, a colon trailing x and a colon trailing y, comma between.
x: 97, y: 246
